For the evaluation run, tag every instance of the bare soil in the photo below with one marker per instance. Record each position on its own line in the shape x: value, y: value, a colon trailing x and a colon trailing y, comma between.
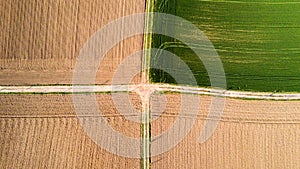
x: 47, y: 36
x: 43, y: 131
x: 251, y: 134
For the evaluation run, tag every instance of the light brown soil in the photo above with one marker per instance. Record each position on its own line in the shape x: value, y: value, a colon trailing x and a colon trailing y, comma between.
x: 43, y: 131
x: 47, y: 36
x: 251, y: 134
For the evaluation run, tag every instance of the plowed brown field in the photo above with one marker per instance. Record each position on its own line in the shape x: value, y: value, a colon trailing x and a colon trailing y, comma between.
x: 251, y: 134
x: 40, y: 40
x: 43, y: 131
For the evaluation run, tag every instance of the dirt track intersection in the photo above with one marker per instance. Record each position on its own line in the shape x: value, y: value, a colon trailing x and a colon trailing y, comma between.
x: 43, y: 131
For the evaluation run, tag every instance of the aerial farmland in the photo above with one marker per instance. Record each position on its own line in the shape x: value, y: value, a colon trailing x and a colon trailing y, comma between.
x: 180, y: 84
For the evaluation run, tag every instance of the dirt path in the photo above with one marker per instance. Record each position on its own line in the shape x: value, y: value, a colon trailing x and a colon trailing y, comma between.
x: 152, y: 88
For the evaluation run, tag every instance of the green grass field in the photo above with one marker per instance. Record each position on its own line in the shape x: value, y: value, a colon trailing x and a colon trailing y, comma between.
x: 258, y: 42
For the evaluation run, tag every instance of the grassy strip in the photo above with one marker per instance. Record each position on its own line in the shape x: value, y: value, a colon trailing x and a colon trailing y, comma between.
x: 145, y: 126
x: 147, y: 39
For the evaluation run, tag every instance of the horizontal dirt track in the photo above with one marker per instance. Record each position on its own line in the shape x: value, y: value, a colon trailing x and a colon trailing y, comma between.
x: 154, y: 87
